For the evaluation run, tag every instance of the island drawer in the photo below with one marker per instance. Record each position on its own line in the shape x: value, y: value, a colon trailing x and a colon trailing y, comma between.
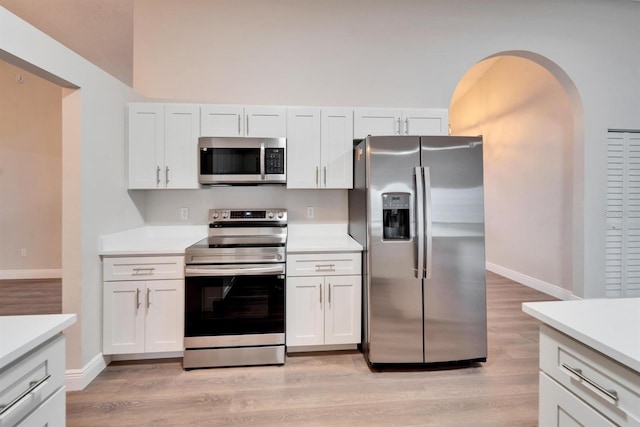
x: 143, y: 268
x: 601, y: 382
x: 325, y: 264
x: 28, y: 382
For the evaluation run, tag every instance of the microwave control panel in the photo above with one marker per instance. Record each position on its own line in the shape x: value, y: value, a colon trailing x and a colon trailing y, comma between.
x: 274, y: 160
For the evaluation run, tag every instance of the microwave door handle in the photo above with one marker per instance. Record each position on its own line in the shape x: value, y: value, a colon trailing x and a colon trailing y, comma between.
x: 419, y: 205
x: 262, y: 171
x: 427, y: 217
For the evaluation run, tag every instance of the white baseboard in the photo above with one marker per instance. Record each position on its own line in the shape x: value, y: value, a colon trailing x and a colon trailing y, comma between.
x: 35, y: 274
x: 78, y: 379
x: 532, y: 282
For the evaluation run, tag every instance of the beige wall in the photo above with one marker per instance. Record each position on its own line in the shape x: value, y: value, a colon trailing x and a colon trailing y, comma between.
x: 30, y: 171
x: 526, y: 119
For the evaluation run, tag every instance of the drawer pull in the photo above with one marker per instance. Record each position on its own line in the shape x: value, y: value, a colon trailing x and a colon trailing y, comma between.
x: 611, y: 394
x: 143, y: 270
x: 33, y: 385
x: 326, y: 267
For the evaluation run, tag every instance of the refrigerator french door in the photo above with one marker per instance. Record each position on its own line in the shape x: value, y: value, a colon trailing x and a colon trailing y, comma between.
x: 417, y: 208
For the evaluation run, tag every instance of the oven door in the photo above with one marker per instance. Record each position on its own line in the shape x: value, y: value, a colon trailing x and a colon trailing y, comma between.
x: 223, y: 303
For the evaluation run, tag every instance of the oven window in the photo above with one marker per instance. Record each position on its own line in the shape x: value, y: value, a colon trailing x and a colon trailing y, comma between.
x: 234, y: 305
x: 230, y: 161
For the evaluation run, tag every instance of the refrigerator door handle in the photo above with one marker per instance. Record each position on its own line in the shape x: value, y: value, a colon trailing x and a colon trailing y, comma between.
x: 427, y: 219
x: 419, y: 221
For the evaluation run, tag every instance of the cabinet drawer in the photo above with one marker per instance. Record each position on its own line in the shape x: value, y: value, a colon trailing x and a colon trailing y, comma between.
x: 346, y: 263
x: 560, y: 408
x: 28, y: 382
x: 143, y: 268
x: 51, y: 413
x: 598, y: 380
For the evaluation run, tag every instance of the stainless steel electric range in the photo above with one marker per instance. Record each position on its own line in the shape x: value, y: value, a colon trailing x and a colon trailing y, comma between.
x: 235, y: 290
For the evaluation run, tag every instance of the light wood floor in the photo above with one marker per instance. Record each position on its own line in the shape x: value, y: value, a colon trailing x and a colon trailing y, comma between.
x: 336, y: 389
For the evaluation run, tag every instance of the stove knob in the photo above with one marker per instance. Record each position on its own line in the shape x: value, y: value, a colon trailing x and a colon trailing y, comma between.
x: 280, y: 215
x: 215, y: 215
x: 270, y: 215
x: 225, y: 215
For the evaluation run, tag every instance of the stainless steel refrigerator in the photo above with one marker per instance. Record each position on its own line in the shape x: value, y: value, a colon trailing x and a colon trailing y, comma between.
x: 417, y: 207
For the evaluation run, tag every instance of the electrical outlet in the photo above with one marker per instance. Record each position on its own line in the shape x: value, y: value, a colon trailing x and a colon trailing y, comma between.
x: 311, y: 212
x: 23, y: 252
x: 184, y: 214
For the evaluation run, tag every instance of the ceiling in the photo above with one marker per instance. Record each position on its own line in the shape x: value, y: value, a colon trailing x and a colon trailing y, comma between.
x: 99, y: 30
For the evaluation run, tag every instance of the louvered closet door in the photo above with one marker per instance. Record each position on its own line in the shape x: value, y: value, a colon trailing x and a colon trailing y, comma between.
x: 623, y: 215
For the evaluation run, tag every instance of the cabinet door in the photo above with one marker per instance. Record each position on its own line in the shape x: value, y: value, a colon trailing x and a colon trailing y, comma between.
x: 181, y: 131
x: 305, y: 303
x: 558, y: 407
x: 265, y: 122
x: 164, y: 326
x: 337, y: 148
x: 146, y: 145
x: 221, y: 120
x: 342, y: 310
x: 123, y: 317
x: 303, y: 147
x: 425, y: 121
x: 376, y: 121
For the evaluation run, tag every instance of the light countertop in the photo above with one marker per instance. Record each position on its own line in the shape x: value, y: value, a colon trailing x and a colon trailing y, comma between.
x: 152, y: 240
x: 21, y: 334
x: 610, y: 326
x: 305, y: 238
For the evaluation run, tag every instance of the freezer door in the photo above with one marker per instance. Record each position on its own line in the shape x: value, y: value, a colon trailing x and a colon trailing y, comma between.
x: 394, y: 294
x: 454, y: 287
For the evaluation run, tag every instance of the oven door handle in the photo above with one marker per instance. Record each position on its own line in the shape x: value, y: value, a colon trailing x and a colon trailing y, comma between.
x: 234, y: 270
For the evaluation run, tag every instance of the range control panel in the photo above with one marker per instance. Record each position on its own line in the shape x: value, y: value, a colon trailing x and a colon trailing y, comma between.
x: 279, y: 215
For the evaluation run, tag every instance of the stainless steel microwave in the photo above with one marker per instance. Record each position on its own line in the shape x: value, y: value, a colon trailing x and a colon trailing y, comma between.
x: 240, y: 161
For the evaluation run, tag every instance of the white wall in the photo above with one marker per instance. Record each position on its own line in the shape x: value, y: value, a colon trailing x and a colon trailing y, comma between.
x: 30, y: 172
x: 93, y: 156
x: 408, y: 53
x: 526, y: 120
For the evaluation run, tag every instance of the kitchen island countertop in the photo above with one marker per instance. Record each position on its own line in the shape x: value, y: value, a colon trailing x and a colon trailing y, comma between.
x: 21, y: 334
x: 609, y: 326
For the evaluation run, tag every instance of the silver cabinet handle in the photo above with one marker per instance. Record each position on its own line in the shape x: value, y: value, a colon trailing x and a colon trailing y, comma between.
x: 317, y: 173
x: 137, y: 298
x: 406, y: 126
x: 611, y: 394
x: 148, y: 297
x: 329, y: 299
x: 325, y: 267
x: 246, y: 131
x: 139, y: 271
x: 158, y: 175
x: 398, y: 125
x: 239, y: 130
x: 33, y: 385
x: 166, y: 174
x: 325, y: 176
x: 320, y: 295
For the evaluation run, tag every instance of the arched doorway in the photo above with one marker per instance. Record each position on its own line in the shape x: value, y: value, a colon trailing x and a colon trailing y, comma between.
x: 530, y: 116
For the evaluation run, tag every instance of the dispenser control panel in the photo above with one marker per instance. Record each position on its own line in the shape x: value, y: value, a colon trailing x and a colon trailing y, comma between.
x: 395, y: 201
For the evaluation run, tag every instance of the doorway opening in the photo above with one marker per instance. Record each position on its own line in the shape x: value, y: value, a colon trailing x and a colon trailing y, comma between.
x: 530, y: 116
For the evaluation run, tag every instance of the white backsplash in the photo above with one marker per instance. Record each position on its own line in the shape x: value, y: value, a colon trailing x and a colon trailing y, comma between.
x: 162, y: 207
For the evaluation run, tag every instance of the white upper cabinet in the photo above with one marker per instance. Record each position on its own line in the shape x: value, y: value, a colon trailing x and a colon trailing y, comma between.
x: 243, y: 121
x: 319, y: 148
x: 396, y: 121
x: 163, y: 141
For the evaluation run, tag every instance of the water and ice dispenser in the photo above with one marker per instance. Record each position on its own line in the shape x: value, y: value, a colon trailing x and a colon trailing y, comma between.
x: 395, y: 216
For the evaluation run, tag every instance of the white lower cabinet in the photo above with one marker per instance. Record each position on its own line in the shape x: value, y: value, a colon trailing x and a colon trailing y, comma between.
x: 323, y: 305
x: 143, y: 316
x: 579, y: 386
